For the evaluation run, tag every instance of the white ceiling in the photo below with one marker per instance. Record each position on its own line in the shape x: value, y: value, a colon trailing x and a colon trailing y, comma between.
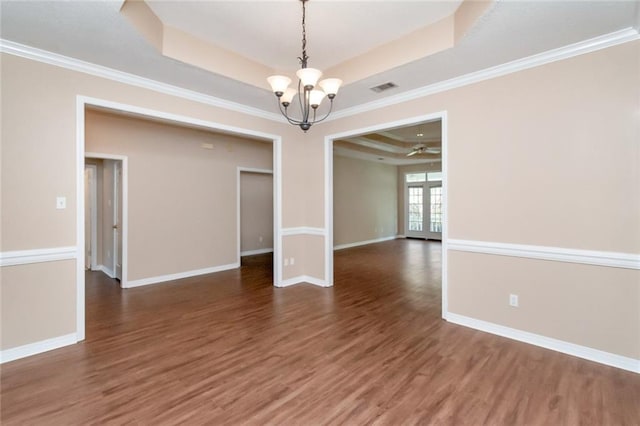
x: 391, y: 146
x: 269, y: 32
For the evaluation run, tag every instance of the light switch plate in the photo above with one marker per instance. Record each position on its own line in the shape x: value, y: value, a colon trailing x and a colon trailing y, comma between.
x: 61, y: 203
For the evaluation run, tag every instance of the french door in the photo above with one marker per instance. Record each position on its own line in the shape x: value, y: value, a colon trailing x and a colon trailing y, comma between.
x: 423, y: 206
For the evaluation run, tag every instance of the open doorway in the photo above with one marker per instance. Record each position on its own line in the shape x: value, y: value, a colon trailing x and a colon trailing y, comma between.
x: 163, y: 199
x: 420, y: 212
x: 105, y: 215
x: 255, y: 207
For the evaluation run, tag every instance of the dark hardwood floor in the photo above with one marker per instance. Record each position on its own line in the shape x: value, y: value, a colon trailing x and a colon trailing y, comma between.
x: 228, y: 348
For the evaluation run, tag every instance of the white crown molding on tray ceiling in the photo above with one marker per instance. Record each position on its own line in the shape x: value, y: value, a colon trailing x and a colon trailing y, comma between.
x: 587, y: 46
x: 28, y: 52
x: 580, y: 48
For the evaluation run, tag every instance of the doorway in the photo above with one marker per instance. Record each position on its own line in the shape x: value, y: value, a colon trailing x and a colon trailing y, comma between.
x: 82, y: 104
x: 255, y: 212
x: 436, y: 225
x: 105, y: 198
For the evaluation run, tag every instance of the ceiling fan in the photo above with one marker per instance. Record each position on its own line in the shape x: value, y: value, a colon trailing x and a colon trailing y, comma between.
x: 423, y: 149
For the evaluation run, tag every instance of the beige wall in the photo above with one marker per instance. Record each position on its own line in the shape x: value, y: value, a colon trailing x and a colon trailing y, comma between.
x: 583, y: 304
x: 364, y: 200
x: 256, y: 211
x: 181, y: 197
x: 547, y: 156
x: 37, y: 302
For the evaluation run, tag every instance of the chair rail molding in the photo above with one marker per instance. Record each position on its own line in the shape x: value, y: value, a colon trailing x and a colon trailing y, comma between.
x: 25, y: 257
x: 558, y: 254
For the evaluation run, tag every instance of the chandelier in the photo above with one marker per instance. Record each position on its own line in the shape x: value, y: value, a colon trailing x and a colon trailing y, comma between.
x: 309, y: 98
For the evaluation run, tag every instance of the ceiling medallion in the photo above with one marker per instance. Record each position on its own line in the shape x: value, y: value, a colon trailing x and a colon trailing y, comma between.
x: 309, y: 98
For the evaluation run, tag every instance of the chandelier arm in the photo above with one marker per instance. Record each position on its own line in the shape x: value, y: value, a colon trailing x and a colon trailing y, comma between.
x: 326, y: 115
x: 289, y: 119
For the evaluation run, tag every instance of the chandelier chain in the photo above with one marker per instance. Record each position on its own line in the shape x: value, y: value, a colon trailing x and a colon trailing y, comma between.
x: 304, y: 58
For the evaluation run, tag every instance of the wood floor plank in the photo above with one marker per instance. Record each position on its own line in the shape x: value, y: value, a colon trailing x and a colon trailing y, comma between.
x: 229, y: 348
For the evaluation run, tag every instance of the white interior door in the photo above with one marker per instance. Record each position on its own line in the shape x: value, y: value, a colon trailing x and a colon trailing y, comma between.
x: 415, y: 199
x: 87, y: 217
x: 423, y: 207
x: 90, y: 216
x: 434, y: 209
x: 117, y: 220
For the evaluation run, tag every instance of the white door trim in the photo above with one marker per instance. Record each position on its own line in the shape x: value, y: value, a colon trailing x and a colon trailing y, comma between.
x: 81, y: 103
x: 118, y: 215
x: 240, y: 170
x: 93, y: 190
x: 328, y: 191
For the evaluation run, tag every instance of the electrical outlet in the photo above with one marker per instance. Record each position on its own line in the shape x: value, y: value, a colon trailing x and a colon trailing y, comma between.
x: 513, y: 300
x: 293, y: 261
x: 260, y: 239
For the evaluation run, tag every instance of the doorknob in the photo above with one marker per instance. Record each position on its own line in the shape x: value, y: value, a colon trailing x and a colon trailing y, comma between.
x: 115, y: 226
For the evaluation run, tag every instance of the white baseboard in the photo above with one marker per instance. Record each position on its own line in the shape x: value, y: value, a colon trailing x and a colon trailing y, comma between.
x: 180, y: 275
x: 364, y: 243
x: 596, y: 355
x: 106, y: 270
x: 37, y: 347
x: 303, y: 279
x: 254, y: 252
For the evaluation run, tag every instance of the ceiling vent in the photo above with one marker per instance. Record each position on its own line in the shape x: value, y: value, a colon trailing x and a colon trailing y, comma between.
x: 383, y: 87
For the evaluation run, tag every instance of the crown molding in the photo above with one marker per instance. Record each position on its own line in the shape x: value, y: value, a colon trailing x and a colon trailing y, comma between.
x: 576, y: 49
x: 39, y: 55
x: 587, y: 46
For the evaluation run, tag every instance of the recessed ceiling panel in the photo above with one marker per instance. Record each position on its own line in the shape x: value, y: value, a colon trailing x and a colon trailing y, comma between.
x: 270, y: 31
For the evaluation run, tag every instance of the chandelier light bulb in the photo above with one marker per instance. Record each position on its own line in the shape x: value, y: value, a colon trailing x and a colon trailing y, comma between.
x: 331, y: 86
x: 309, y: 77
x: 279, y: 84
x: 288, y: 95
x: 315, y: 98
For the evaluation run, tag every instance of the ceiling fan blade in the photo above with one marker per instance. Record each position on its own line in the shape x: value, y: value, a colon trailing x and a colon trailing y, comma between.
x: 412, y: 153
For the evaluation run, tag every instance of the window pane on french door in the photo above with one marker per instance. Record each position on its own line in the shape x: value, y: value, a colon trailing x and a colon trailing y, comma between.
x: 435, y: 222
x: 416, y: 203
